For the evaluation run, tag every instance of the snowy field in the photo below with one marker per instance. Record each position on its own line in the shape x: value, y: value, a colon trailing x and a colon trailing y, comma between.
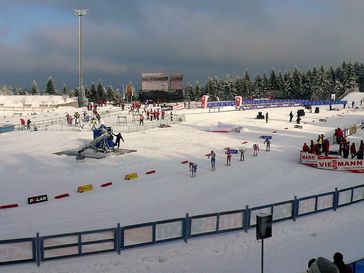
x: 29, y: 167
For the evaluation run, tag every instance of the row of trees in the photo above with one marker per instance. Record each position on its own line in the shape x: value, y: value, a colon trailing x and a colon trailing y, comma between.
x: 315, y: 84
x: 96, y: 92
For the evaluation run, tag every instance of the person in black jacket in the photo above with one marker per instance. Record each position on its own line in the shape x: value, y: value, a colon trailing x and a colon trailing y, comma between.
x: 339, y: 262
x: 118, y: 138
x: 28, y: 124
x: 290, y: 116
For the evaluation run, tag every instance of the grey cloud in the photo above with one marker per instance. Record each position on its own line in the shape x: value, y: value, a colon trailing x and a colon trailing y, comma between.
x: 198, y: 38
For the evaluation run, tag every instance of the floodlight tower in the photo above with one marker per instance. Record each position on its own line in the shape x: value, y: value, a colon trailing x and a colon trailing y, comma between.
x: 81, y: 98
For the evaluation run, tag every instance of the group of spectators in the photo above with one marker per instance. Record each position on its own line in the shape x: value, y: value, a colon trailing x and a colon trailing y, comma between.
x: 321, y: 146
x: 154, y: 115
x: 25, y: 125
x: 76, y: 119
x: 323, y: 265
x: 345, y: 148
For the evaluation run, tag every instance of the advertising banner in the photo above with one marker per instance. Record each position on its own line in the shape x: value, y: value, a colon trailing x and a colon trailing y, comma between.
x: 37, y: 199
x: 204, y: 99
x: 238, y: 101
x: 176, y: 81
x: 154, y: 82
x: 332, y: 163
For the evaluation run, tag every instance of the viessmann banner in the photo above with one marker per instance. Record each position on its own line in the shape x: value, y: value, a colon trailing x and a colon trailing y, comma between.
x: 332, y: 163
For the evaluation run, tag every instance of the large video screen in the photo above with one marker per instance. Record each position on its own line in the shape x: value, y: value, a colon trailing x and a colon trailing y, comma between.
x: 176, y: 81
x: 154, y: 82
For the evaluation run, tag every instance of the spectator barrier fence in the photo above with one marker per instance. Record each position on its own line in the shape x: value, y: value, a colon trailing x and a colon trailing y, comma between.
x: 116, y: 239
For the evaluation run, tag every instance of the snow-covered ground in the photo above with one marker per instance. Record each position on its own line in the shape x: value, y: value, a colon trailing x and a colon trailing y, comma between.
x: 29, y: 167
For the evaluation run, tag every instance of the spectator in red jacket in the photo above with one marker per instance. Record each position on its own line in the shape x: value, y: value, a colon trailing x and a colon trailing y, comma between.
x: 312, y: 147
x: 353, y: 150
x: 305, y: 148
x: 339, y: 135
x: 22, y: 123
x: 326, y: 146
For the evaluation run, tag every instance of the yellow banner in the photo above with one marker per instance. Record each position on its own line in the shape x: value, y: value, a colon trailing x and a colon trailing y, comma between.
x: 85, y: 188
x: 130, y: 176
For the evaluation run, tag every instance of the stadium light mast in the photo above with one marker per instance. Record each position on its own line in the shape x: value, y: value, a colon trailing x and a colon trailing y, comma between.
x: 81, y: 98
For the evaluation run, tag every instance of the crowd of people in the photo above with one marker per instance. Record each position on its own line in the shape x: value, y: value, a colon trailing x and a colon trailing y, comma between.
x: 346, y: 150
x: 323, y: 265
x: 149, y: 111
x: 75, y: 120
x: 321, y: 146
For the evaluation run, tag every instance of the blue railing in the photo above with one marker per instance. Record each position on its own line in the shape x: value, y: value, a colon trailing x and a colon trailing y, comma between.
x: 116, y: 239
x: 358, y: 266
x: 254, y: 103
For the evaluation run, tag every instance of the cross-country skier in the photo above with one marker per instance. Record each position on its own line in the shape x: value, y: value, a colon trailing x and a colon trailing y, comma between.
x: 193, y: 168
x: 267, y: 143
x: 255, y: 149
x: 212, y: 155
x: 241, y: 154
x: 228, y: 157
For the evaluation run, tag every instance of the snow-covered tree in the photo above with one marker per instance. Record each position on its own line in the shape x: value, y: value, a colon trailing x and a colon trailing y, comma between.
x: 110, y: 93
x: 51, y: 89
x: 94, y: 95
x: 35, y: 88
x: 19, y: 91
x: 197, y: 91
x: 258, y: 90
x: 321, y: 85
x: 273, y: 81
x: 212, y: 86
x: 5, y: 90
x: 189, y: 92
x: 288, y: 86
x: 65, y: 90
x: 76, y: 93
x: 297, y: 86
x: 247, y: 86
x: 338, y: 88
x: 101, y: 92
x: 350, y: 80
x: 87, y: 92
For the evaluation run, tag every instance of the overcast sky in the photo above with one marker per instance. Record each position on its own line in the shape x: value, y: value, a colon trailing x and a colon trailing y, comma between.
x: 199, y: 38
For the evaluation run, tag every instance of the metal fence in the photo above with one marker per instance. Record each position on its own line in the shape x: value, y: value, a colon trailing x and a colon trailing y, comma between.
x: 116, y: 239
x: 133, y: 125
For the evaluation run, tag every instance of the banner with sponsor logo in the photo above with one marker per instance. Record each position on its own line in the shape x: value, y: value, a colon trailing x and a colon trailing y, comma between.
x: 37, y: 199
x: 204, y: 99
x: 332, y: 163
